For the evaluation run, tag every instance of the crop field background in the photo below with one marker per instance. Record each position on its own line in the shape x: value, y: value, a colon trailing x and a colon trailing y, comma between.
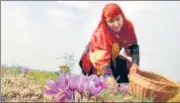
x: 17, y: 88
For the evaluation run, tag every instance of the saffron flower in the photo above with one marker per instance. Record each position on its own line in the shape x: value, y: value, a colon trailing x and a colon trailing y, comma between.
x: 25, y: 71
x: 64, y: 86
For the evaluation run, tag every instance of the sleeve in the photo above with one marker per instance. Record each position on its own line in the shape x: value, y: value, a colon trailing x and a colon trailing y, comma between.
x: 134, y: 47
x: 134, y: 51
x: 100, y: 53
x: 84, y: 62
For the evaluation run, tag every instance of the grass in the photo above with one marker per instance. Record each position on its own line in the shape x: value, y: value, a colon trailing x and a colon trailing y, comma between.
x: 39, y: 76
x: 104, y: 94
x: 141, y: 99
x: 42, y: 76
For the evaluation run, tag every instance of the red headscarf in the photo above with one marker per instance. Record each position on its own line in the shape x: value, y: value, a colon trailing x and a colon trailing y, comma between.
x: 100, y: 48
x: 110, y: 11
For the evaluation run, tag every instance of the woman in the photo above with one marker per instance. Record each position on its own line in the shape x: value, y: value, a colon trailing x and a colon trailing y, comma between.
x: 101, y: 56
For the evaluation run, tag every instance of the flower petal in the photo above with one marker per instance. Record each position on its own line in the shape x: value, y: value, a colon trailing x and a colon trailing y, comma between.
x: 98, y: 81
x: 93, y: 90
x: 61, y: 98
x: 61, y: 81
x: 81, y: 86
x: 25, y: 70
x: 51, y: 92
x: 93, y: 77
x: 85, y: 83
x: 68, y: 93
x: 73, y: 82
x: 51, y: 84
x: 96, y: 91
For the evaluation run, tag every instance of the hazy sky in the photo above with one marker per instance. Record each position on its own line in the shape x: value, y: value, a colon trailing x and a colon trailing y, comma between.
x: 37, y: 33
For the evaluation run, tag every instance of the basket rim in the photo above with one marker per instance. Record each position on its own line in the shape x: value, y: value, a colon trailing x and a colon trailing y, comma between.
x: 145, y: 87
x: 158, y: 90
x: 174, y: 84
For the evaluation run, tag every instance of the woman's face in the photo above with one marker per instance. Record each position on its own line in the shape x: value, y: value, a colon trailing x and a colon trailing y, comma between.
x: 116, y: 23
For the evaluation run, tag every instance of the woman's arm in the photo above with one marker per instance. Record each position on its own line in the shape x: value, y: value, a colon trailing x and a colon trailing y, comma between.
x: 134, y: 47
x: 134, y: 52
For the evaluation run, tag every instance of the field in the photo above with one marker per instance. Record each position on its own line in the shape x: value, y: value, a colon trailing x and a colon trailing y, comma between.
x: 17, y: 88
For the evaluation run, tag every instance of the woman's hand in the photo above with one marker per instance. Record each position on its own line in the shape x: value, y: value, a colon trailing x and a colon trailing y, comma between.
x: 111, y: 81
x: 134, y: 68
x: 108, y: 76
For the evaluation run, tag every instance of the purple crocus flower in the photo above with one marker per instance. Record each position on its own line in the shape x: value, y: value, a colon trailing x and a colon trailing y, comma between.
x: 92, y: 89
x: 25, y: 71
x: 52, y: 88
x: 95, y: 79
x: 92, y: 84
x: 99, y: 81
x: 65, y: 85
x: 73, y: 81
x: 82, y: 84
x: 59, y: 86
x: 77, y: 83
x: 95, y: 85
x: 63, y: 82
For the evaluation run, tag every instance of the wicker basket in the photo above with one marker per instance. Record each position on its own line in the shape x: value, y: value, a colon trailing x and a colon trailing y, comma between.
x: 148, y: 84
